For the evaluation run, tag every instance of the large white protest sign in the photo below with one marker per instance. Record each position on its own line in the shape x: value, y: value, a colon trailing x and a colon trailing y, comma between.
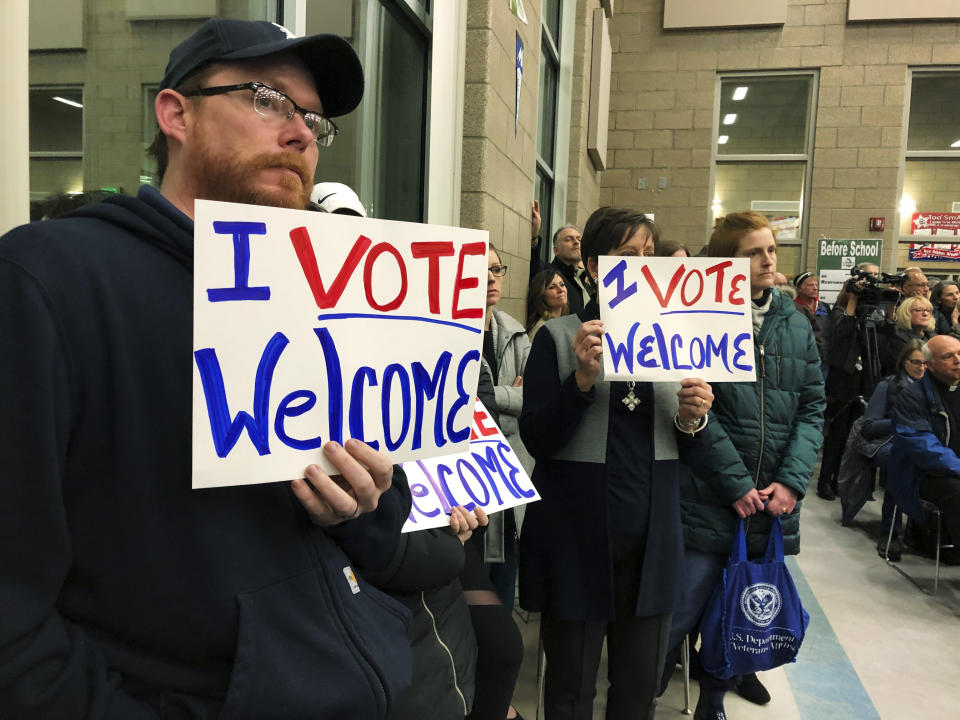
x: 310, y: 327
x: 672, y: 318
x: 488, y: 474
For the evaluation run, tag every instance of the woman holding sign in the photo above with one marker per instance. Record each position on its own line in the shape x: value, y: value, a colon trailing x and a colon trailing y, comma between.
x: 765, y: 438
x: 600, y: 553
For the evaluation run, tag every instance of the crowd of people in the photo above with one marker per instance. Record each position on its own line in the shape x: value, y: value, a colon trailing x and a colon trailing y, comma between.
x: 126, y: 594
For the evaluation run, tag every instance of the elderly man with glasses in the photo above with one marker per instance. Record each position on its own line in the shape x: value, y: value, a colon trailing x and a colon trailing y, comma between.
x: 124, y: 593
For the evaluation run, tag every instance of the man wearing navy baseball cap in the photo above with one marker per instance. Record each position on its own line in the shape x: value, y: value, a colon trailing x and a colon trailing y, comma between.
x: 125, y: 594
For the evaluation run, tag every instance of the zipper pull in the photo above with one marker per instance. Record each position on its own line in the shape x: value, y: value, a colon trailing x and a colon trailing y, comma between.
x: 763, y: 365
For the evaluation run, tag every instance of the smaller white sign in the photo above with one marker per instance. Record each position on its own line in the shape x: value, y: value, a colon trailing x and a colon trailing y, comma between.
x: 831, y: 283
x: 669, y: 318
x: 489, y: 474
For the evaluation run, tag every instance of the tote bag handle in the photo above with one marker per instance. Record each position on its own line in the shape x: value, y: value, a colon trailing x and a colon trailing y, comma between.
x: 775, y: 542
x: 738, y: 553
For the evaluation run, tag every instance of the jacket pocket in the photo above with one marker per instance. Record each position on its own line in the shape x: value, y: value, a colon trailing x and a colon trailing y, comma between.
x: 300, y: 655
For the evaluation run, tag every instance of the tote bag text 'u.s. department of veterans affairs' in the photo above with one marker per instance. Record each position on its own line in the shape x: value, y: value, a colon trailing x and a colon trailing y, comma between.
x: 754, y: 620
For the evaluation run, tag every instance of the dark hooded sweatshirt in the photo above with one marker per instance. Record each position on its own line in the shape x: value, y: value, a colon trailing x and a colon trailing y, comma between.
x: 123, y: 592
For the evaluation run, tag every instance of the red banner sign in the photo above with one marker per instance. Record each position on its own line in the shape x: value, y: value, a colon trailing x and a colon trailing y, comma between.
x: 934, y: 223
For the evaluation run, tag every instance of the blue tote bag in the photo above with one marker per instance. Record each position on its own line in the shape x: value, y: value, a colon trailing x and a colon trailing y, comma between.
x: 754, y: 620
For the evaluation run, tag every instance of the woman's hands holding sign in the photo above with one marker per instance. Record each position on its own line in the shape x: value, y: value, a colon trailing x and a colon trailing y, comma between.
x: 463, y: 522
x: 365, y: 474
x: 695, y: 399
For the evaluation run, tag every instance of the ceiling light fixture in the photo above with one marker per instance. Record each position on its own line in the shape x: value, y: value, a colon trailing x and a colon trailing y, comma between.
x: 955, y: 143
x: 729, y: 118
x: 740, y: 93
x: 722, y: 140
x: 71, y: 103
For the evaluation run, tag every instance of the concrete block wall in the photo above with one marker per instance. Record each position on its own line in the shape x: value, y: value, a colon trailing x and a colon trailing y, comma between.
x: 662, y: 104
x: 120, y: 59
x: 498, y: 164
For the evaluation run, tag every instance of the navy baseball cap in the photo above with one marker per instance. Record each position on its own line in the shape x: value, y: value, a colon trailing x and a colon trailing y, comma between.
x: 334, y: 65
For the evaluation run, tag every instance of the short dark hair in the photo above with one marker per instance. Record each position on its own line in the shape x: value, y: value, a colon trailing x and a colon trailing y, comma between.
x: 666, y: 248
x: 937, y: 295
x: 609, y: 227
x: 159, y: 149
x: 909, y: 347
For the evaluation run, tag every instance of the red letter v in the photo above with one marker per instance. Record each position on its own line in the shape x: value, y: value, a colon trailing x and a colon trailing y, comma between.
x: 664, y: 301
x: 308, y: 261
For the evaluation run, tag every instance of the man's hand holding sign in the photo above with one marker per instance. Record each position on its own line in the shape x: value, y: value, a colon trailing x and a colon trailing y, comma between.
x: 364, y: 475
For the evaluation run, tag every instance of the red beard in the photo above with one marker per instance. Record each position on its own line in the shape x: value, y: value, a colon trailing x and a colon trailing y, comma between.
x: 233, y: 178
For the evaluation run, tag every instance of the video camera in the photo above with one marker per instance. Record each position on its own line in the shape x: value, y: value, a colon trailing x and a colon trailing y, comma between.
x: 870, y: 289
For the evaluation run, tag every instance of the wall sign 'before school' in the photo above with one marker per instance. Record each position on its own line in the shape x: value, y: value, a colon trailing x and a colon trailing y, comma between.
x: 673, y: 318
x: 311, y: 327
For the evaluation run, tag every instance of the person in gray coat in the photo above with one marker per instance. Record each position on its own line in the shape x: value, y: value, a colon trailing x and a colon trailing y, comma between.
x: 505, y: 350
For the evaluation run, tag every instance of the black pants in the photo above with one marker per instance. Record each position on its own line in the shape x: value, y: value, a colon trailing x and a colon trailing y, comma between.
x: 842, y: 414
x: 944, y: 492
x: 499, y: 643
x: 499, y: 656
x: 636, y: 647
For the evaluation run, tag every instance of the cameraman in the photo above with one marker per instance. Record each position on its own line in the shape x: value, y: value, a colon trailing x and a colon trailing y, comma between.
x: 857, y: 325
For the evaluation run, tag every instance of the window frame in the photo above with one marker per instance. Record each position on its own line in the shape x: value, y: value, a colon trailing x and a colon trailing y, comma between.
x: 444, y: 25
x: 716, y: 158
x: 554, y: 171
x: 59, y: 154
x: 907, y: 155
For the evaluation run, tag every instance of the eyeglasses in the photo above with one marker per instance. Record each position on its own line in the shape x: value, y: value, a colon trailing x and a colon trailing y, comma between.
x: 497, y: 270
x: 273, y: 105
x: 914, y: 362
x: 921, y: 310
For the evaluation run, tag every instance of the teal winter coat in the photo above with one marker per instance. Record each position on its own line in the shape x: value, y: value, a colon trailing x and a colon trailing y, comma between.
x: 764, y: 431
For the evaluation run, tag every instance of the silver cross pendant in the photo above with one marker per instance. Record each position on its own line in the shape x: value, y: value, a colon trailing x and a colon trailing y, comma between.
x: 631, y: 400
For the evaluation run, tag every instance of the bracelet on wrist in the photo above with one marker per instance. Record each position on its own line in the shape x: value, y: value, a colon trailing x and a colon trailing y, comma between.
x: 690, y: 427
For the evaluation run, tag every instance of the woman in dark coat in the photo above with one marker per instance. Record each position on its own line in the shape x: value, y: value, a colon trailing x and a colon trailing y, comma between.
x: 600, y: 553
x: 914, y: 322
x: 878, y: 425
